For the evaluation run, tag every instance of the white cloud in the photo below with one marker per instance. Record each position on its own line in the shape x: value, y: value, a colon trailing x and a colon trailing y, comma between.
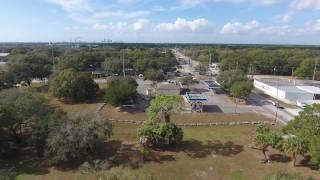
x: 311, y: 26
x: 72, y: 5
x: 286, y: 19
x: 270, y: 2
x: 276, y: 30
x: 237, y: 27
x: 316, y: 25
x: 120, y: 14
x: 119, y: 26
x: 195, y: 3
x: 140, y: 24
x: 306, y: 4
x: 197, y: 25
x: 253, y: 28
x: 128, y: 1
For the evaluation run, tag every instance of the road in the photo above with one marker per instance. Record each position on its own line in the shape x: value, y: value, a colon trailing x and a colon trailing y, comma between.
x: 222, y: 103
x: 263, y: 106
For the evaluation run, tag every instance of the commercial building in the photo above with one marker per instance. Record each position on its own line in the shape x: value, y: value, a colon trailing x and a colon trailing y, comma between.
x: 3, y: 57
x: 196, y: 101
x: 289, y: 91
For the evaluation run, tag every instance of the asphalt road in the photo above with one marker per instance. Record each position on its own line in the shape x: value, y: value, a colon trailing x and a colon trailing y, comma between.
x: 222, y: 103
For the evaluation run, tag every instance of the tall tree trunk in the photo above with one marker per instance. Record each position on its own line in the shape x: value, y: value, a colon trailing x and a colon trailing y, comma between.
x: 294, y: 158
x: 16, y: 136
x: 266, y: 157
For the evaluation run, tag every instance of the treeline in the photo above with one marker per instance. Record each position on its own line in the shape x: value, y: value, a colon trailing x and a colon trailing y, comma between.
x: 27, y: 64
x: 266, y: 61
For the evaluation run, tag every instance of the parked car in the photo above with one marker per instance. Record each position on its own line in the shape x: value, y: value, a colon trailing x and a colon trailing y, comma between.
x: 301, y: 104
x: 277, y: 104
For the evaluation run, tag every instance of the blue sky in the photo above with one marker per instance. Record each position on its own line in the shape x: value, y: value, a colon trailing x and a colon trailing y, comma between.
x: 183, y: 21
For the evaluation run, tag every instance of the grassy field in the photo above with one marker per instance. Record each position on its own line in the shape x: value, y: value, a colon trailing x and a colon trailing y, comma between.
x: 206, y: 153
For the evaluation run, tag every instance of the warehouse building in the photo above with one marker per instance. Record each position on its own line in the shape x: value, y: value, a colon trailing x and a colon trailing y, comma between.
x: 3, y: 57
x: 289, y: 92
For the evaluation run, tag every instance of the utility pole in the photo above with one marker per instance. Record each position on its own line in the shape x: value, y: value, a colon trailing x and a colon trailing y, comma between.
x: 123, y: 71
x: 315, y: 70
x: 277, y: 103
x: 251, y: 70
x: 53, y: 68
x: 210, y: 61
x: 292, y: 70
x: 237, y: 65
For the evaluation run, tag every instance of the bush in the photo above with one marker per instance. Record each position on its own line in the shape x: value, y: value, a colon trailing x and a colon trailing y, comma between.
x: 121, y: 91
x: 77, y: 137
x: 161, y: 134
x: 73, y: 85
x: 153, y: 75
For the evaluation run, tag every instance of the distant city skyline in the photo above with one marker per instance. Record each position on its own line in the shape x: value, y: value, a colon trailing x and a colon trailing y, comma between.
x: 165, y: 21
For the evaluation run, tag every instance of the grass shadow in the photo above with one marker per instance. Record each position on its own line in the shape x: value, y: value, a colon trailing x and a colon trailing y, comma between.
x: 198, y: 149
x: 279, y: 158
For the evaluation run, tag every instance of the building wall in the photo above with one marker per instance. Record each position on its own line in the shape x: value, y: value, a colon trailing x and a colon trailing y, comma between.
x: 294, y: 97
x: 285, y: 96
x: 269, y: 90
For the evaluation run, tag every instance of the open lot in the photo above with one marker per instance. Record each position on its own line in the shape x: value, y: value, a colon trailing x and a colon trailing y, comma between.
x: 206, y: 153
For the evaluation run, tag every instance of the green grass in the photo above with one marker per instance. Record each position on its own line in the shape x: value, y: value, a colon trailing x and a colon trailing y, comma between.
x: 206, y: 153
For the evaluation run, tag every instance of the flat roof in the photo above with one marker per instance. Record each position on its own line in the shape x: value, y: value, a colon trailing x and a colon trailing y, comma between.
x: 292, y: 89
x: 168, y: 86
x: 288, y: 82
x: 4, y: 54
x: 310, y: 89
x: 192, y: 97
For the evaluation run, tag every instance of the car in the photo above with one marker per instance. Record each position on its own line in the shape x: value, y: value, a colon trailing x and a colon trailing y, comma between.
x: 277, y: 104
x: 301, y: 104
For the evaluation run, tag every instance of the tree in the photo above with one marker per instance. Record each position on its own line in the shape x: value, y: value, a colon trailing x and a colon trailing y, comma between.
x: 295, y: 146
x: 73, y: 85
x: 159, y: 130
x: 188, y: 81
x: 241, y: 89
x: 228, y: 78
x: 120, y: 91
x: 10, y: 122
x: 6, y: 79
x: 264, y: 138
x: 19, y: 109
x: 305, y: 69
x: 84, y: 60
x: 42, y: 127
x: 28, y: 66
x: 162, y: 107
x: 142, y: 65
x: 306, y: 126
x: 153, y: 75
x: 77, y: 137
x: 161, y: 133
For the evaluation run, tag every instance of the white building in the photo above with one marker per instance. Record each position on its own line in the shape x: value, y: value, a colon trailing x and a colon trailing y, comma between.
x: 291, y: 94
x: 214, y: 68
x: 3, y: 57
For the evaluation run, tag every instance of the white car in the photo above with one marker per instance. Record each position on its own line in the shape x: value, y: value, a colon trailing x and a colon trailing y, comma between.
x: 301, y: 104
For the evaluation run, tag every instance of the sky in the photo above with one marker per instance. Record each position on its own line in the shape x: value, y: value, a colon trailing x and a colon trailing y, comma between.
x: 162, y: 21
